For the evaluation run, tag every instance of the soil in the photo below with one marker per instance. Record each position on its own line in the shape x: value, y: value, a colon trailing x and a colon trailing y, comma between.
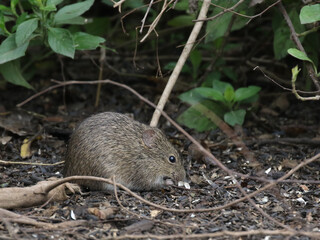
x: 281, y: 133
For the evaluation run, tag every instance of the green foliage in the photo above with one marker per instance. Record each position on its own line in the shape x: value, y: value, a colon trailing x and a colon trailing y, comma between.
x: 220, y: 98
x: 302, y: 56
x: 310, y: 14
x: 218, y: 27
x: 282, y: 36
x: 41, y: 20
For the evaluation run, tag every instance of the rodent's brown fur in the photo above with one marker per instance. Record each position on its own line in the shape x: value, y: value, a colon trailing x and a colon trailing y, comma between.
x: 111, y: 143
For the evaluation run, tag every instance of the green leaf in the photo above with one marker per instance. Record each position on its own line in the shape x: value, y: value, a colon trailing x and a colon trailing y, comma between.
x: 37, y: 3
x: 171, y: 65
x: 191, y: 97
x: 181, y: 5
x: 72, y: 11
x: 99, y: 26
x: 13, y: 4
x: 195, y: 58
x: 229, y: 94
x: 298, y: 54
x: 235, y: 117
x: 218, y: 27
x: 302, y: 56
x: 85, y: 41
x: 220, y: 86
x: 245, y: 93
x: 54, y: 2
x: 181, y: 21
x: 60, y: 40
x: 5, y: 8
x: 9, y: 50
x: 210, y: 93
x: 192, y: 118
x: 75, y: 21
x: 310, y: 14
x: 213, y: 76
x: 282, y: 36
x: 25, y: 30
x: 11, y: 72
x: 3, y: 24
x: 49, y: 8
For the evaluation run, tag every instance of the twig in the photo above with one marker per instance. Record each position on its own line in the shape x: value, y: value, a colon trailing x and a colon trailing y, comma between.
x: 239, y: 14
x: 182, y: 59
x: 29, y: 163
x: 145, y: 16
x: 101, y: 60
x: 220, y: 13
x: 223, y: 234
x: 278, y: 84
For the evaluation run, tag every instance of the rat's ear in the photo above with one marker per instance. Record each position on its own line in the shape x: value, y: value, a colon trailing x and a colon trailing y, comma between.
x: 149, y: 138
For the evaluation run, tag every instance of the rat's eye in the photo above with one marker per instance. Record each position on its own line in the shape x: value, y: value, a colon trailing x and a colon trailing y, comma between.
x: 172, y: 159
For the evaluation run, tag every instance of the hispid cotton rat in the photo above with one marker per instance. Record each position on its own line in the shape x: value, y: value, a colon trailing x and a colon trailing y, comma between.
x: 139, y: 156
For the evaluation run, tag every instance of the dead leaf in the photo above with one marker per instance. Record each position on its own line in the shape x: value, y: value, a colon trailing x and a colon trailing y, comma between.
x: 304, y: 188
x: 154, y: 213
x: 102, y: 214
x: 5, y: 139
x: 25, y: 151
x: 289, y: 163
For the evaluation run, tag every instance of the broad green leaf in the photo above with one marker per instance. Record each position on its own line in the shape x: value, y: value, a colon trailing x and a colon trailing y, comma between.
x: 210, y: 93
x: 220, y: 86
x: 310, y: 14
x: 245, y: 93
x: 133, y: 4
x: 191, y: 97
x: 25, y: 30
x: 195, y: 58
x: 181, y: 5
x: 85, y: 41
x: 171, y: 65
x: 9, y: 50
x: 230, y: 73
x: 5, y: 8
x: 192, y: 118
x: 181, y: 21
x: 235, y: 117
x: 37, y: 3
x: 99, y: 26
x: 49, y: 8
x: 229, y: 94
x: 54, y: 2
x: 213, y: 76
x: 302, y: 56
x: 218, y: 27
x: 72, y: 11
x: 298, y: 54
x: 75, y: 21
x: 282, y: 36
x: 11, y: 72
x: 60, y: 40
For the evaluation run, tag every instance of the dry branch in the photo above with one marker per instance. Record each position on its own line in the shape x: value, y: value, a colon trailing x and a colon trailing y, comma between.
x: 182, y: 59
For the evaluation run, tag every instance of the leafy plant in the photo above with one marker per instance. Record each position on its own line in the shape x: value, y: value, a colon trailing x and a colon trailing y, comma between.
x: 308, y: 14
x: 44, y: 22
x: 220, y: 98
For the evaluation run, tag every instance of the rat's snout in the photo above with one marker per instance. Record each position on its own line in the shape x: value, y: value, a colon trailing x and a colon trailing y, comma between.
x: 175, y: 178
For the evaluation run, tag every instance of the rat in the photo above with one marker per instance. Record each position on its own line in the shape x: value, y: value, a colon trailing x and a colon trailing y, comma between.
x: 139, y: 156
